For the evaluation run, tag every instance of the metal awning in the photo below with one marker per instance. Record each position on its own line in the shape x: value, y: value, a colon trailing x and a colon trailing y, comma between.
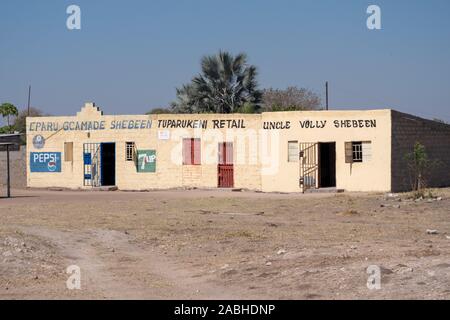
x: 9, y: 140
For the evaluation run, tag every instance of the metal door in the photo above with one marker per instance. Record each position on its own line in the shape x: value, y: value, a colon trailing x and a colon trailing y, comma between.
x: 92, y: 164
x: 308, y: 166
x: 225, y: 167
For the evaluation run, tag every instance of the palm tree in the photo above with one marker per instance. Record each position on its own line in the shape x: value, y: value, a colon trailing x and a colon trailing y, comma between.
x: 225, y: 85
x: 7, y: 110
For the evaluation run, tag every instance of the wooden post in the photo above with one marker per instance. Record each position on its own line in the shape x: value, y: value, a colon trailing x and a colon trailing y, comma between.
x: 29, y: 97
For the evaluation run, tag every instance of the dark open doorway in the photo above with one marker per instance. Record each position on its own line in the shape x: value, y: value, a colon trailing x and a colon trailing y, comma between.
x: 327, y: 165
x: 108, y: 164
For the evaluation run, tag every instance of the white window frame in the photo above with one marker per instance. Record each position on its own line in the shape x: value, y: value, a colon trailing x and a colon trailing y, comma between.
x: 129, y: 151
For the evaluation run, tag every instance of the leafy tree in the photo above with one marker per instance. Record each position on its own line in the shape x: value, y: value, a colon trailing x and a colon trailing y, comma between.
x: 290, y: 99
x: 5, y: 129
x: 20, y: 121
x: 225, y: 85
x: 7, y: 110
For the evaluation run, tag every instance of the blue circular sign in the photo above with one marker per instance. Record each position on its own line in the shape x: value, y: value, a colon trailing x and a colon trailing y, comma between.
x: 38, y: 142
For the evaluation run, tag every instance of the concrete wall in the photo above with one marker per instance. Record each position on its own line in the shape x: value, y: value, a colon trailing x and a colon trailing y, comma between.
x: 435, y: 136
x: 17, y: 167
x: 260, y: 148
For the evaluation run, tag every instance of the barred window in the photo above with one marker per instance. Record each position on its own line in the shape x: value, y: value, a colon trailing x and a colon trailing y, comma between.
x: 357, y: 151
x: 129, y: 151
x: 293, y: 151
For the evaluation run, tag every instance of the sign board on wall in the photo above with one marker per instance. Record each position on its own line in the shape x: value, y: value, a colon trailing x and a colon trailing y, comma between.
x: 163, y: 134
x: 38, y: 141
x: 146, y: 161
x: 45, y: 161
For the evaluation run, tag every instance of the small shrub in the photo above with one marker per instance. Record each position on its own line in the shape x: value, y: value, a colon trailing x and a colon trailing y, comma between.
x: 418, y: 166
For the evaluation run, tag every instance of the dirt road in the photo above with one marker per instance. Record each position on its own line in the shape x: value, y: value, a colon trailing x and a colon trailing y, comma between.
x: 223, y: 245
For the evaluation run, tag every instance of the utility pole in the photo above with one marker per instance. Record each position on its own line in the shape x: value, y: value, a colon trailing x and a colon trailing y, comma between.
x: 8, y: 179
x: 29, y: 97
x: 326, y: 94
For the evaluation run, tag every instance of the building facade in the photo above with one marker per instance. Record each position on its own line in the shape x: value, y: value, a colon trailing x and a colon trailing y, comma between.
x: 270, y: 152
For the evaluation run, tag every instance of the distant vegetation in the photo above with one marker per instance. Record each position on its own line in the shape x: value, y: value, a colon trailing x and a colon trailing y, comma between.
x: 16, y: 120
x: 160, y: 111
x: 290, y: 99
x: 20, y: 120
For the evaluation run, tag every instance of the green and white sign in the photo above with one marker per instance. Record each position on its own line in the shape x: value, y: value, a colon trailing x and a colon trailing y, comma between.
x: 146, y: 161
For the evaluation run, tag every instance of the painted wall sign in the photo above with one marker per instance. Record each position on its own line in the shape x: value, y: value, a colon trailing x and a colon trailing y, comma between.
x: 355, y: 123
x: 182, y: 124
x: 309, y: 124
x: 45, y: 161
x: 38, y: 141
x: 93, y: 125
x: 320, y: 124
x: 203, y: 124
x: 229, y: 124
x: 279, y: 125
x: 146, y: 161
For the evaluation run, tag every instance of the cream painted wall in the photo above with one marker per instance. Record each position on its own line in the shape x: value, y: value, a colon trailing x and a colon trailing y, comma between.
x: 366, y: 176
x: 254, y: 166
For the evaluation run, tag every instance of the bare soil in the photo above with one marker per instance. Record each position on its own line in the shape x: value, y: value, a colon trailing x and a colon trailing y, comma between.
x: 216, y: 244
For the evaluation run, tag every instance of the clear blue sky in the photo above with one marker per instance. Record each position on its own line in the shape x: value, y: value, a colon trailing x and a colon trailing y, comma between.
x: 130, y: 56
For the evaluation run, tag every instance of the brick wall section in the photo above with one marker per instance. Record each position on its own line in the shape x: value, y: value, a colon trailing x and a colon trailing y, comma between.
x: 17, y: 167
x: 435, y: 136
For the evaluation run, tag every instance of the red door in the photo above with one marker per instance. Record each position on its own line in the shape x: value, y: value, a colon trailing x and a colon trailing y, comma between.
x: 225, y: 167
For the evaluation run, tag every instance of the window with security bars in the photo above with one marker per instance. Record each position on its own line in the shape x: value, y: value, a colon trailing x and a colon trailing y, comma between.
x: 357, y: 151
x: 293, y: 151
x: 191, y: 151
x: 129, y: 151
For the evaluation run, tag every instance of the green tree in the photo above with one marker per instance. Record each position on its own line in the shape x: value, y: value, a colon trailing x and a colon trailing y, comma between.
x: 7, y: 110
x: 225, y: 85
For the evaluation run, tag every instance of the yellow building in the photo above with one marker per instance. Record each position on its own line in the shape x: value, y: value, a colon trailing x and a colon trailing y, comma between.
x: 272, y: 151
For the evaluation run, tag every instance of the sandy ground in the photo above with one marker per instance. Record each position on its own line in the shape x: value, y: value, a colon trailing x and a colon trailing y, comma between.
x: 202, y: 244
